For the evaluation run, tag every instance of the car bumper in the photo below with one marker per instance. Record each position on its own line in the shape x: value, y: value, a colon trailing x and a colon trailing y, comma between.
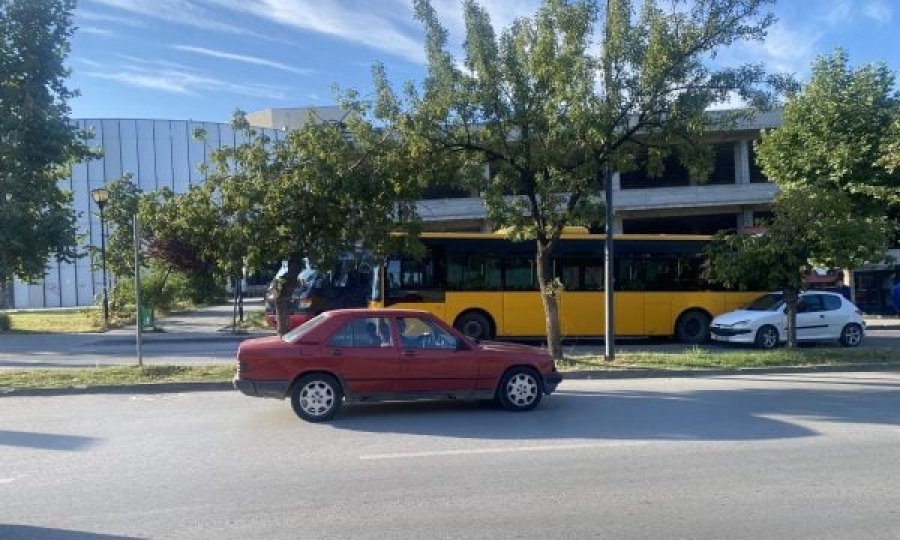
x: 551, y: 381
x: 731, y: 335
x: 266, y: 389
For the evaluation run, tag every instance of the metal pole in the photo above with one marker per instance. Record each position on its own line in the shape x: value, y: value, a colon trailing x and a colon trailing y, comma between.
x: 137, y: 289
x: 609, y: 281
x: 103, y: 258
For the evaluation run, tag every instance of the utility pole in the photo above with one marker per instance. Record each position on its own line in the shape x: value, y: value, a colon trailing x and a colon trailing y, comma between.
x: 609, y: 281
x: 137, y: 289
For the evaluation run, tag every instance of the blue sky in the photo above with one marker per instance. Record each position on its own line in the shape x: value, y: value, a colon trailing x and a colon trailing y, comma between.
x: 201, y: 59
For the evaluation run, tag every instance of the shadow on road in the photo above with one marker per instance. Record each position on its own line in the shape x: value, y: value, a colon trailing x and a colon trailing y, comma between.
x: 46, y: 441
x: 719, y: 415
x: 27, y: 532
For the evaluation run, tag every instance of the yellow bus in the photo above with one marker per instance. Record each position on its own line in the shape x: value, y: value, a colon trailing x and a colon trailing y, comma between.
x: 485, y: 285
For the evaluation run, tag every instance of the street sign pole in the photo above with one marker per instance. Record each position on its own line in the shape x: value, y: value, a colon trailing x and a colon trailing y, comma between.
x: 137, y: 289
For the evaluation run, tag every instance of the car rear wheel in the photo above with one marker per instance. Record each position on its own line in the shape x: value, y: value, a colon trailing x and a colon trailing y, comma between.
x: 851, y: 335
x: 520, y: 389
x: 316, y: 397
x: 767, y: 337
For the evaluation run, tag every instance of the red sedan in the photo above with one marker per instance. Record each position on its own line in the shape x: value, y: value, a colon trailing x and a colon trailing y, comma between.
x: 366, y: 355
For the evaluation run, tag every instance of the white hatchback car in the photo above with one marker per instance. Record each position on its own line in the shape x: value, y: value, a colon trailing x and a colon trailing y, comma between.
x: 821, y: 316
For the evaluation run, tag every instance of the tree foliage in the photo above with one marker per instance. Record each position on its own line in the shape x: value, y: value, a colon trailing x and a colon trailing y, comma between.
x: 548, y: 114
x: 38, y: 144
x: 830, y: 159
x: 321, y: 191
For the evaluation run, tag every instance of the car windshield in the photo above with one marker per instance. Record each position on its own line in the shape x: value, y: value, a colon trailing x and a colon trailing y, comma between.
x: 768, y: 302
x: 294, y: 335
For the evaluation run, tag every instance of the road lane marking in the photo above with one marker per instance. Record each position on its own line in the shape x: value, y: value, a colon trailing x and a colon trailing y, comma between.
x: 504, y: 450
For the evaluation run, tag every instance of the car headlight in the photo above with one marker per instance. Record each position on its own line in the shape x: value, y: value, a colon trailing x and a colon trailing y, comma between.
x: 742, y: 323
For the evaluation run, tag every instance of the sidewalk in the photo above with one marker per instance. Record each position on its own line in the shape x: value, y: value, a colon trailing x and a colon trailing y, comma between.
x: 882, y: 322
x: 206, y: 323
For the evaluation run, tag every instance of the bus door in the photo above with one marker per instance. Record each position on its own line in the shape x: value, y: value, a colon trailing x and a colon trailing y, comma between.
x: 523, y: 310
x: 581, y: 307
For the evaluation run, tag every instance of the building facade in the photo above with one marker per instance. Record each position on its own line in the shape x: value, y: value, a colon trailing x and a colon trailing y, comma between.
x: 164, y: 153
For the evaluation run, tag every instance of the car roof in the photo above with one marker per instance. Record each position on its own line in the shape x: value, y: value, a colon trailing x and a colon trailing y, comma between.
x: 377, y: 312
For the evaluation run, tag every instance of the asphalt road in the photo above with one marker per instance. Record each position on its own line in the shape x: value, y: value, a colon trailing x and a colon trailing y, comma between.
x: 785, y: 456
x: 87, y: 350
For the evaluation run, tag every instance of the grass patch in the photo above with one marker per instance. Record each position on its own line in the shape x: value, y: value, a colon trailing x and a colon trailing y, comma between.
x: 108, y: 376
x: 56, y: 320
x: 700, y: 358
x: 253, y: 320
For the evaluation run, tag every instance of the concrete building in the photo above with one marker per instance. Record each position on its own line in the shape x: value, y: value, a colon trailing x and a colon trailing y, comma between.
x: 163, y: 153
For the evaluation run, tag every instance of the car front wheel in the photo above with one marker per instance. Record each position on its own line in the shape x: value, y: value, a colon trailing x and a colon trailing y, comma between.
x: 851, y: 335
x: 767, y: 337
x: 316, y: 397
x: 520, y: 389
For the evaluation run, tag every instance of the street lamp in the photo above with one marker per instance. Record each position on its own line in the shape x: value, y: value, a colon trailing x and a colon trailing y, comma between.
x: 101, y: 197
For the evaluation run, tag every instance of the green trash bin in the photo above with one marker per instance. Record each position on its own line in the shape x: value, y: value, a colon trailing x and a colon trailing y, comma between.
x: 148, y: 322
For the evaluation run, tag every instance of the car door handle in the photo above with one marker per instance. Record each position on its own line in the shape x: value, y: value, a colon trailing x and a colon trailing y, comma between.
x: 336, y: 352
x: 409, y: 353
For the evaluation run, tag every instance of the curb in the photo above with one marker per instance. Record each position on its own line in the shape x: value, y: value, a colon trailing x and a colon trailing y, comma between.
x: 142, y: 388
x: 672, y: 374
x: 170, y: 388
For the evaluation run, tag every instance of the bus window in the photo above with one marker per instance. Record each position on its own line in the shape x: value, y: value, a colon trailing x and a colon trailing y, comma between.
x: 473, y: 273
x: 570, y: 275
x: 520, y: 275
x: 593, y: 276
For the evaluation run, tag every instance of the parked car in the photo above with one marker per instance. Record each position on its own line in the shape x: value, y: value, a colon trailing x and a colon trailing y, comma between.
x: 375, y: 355
x: 821, y: 316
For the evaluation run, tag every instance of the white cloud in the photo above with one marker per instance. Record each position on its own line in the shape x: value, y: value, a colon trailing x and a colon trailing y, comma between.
x: 96, y: 31
x: 878, y: 10
x: 94, y: 16
x: 185, y: 82
x: 242, y: 58
x: 186, y: 12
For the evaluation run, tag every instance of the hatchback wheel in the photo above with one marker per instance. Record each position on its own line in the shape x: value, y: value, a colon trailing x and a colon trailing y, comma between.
x: 767, y: 337
x: 520, y: 389
x: 851, y: 335
x: 316, y: 397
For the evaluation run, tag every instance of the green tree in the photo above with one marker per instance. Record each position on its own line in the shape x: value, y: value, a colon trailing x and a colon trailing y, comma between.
x: 842, y: 132
x: 811, y: 227
x: 832, y: 160
x: 321, y: 191
x: 38, y: 144
x: 548, y: 115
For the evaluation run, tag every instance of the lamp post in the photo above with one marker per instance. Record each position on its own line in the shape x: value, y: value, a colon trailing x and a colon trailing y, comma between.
x: 101, y: 197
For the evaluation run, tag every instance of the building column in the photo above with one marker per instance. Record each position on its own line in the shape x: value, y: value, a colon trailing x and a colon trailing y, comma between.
x: 742, y: 162
x: 745, y: 218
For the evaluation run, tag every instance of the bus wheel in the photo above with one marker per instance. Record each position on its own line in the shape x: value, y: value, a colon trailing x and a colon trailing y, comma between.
x: 474, y: 325
x: 692, y: 327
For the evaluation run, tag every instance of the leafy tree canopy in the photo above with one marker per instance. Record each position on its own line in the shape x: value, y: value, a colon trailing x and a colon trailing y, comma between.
x: 38, y: 144
x: 547, y: 112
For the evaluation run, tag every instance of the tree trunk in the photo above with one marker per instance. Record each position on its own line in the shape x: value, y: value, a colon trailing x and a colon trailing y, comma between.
x: 284, y: 291
x: 549, y: 299
x: 791, y: 297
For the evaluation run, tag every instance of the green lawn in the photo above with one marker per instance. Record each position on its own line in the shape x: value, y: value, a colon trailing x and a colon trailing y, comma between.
x: 700, y: 358
x: 56, y: 320
x: 106, y: 376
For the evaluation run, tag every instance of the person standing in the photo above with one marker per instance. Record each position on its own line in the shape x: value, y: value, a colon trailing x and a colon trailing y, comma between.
x: 895, y: 294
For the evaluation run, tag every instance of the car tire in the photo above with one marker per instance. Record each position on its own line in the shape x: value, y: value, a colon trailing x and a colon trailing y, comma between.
x: 474, y: 325
x: 766, y: 337
x: 520, y: 389
x: 692, y: 327
x: 851, y: 335
x: 316, y: 397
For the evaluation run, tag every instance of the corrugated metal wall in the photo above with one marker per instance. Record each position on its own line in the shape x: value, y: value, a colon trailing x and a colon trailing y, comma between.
x: 158, y: 153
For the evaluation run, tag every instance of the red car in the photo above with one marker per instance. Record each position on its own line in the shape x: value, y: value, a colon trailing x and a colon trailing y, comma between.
x: 391, y: 354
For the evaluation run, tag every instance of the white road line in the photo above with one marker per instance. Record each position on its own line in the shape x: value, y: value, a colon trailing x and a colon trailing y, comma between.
x: 7, y: 480
x: 504, y: 450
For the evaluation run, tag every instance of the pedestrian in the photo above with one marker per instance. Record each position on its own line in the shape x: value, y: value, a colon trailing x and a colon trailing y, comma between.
x: 895, y: 294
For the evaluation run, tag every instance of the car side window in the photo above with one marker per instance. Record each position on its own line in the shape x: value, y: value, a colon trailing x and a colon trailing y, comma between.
x: 363, y: 332
x: 810, y: 304
x: 419, y: 333
x: 830, y: 303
